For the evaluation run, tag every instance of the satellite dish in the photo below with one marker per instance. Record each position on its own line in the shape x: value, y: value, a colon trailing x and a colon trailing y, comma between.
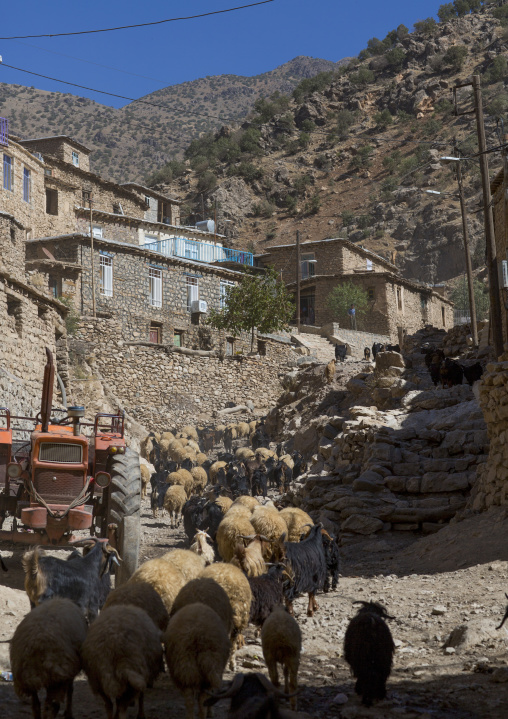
x: 48, y: 254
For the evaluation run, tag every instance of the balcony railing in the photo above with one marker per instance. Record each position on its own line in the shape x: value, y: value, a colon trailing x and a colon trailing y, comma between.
x: 199, y: 251
x: 4, y: 131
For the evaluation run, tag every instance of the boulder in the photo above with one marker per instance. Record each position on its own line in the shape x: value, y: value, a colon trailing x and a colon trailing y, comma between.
x: 389, y: 359
x: 472, y: 633
x: 361, y: 524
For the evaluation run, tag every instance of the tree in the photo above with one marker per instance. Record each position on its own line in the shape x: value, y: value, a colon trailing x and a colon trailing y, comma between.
x: 363, y: 77
x: 497, y: 71
x: 259, y: 302
x: 426, y: 27
x: 383, y: 119
x: 455, y: 56
x: 460, y: 296
x: 395, y: 58
x: 342, y: 297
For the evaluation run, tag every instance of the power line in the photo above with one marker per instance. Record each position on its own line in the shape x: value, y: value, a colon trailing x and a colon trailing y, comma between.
x: 144, y: 24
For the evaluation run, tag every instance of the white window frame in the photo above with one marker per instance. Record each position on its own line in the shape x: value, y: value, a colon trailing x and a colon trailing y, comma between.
x: 10, y: 183
x: 191, y: 250
x: 369, y: 266
x: 75, y: 158
x: 224, y: 284
x: 27, y: 184
x: 106, y: 282
x: 192, y: 285
x: 307, y: 265
x: 97, y: 231
x: 155, y: 281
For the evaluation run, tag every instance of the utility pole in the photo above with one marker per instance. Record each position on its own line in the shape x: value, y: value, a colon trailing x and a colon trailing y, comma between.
x: 469, y: 267
x: 92, y: 257
x: 298, y: 274
x: 495, y: 308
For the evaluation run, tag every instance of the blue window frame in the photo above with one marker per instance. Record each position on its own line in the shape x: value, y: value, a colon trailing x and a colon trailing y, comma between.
x: 26, y: 184
x: 8, y: 173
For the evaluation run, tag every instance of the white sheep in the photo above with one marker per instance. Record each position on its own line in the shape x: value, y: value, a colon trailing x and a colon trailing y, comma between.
x: 201, y: 547
x: 174, y: 499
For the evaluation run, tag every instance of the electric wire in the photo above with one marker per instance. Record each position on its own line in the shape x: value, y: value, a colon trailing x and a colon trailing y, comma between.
x: 143, y: 24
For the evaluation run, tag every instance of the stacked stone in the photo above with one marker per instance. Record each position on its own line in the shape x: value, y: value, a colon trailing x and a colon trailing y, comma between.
x: 492, y: 486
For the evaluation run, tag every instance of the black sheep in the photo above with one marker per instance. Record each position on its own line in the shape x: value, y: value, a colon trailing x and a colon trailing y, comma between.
x: 368, y: 649
x: 451, y: 373
x: 393, y: 348
x: 377, y: 347
x: 159, y: 489
x: 340, y: 352
x: 306, y: 567
x: 252, y: 696
x: 267, y: 593
x: 259, y: 482
x: 472, y: 373
x: 300, y: 465
x: 194, y: 516
x: 332, y: 555
x: 433, y: 359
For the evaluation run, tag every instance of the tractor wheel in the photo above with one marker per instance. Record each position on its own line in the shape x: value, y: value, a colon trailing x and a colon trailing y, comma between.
x: 124, y: 510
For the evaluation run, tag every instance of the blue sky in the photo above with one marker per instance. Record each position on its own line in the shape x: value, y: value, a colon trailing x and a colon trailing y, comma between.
x: 247, y: 42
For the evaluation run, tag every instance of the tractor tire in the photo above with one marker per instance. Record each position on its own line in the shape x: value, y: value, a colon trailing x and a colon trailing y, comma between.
x: 124, y: 510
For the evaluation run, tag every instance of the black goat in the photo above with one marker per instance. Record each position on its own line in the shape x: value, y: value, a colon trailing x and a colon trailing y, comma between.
x: 252, y: 696
x: 282, y: 476
x: 305, y: 565
x: 300, y: 465
x: 159, y: 489
x: 368, y: 649
x: 377, y: 347
x: 207, y: 439
x: 451, y: 373
x: 194, y: 516
x: 340, y: 352
x: 366, y: 353
x: 433, y: 359
x: 267, y: 593
x: 228, y: 439
x: 392, y: 348
x: 332, y: 557
x: 2, y: 564
x: 260, y: 438
x: 472, y: 373
x: 259, y: 482
x: 78, y: 579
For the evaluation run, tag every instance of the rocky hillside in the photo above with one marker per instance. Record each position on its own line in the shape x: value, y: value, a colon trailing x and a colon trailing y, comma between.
x: 352, y: 152
x: 137, y: 139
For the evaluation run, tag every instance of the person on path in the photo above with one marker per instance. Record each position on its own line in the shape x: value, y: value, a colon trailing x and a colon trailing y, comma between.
x: 352, y: 316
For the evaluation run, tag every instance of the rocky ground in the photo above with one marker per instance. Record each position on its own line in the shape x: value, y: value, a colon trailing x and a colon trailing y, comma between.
x: 431, y: 586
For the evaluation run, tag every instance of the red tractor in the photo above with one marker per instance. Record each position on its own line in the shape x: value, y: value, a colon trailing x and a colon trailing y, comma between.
x: 62, y: 480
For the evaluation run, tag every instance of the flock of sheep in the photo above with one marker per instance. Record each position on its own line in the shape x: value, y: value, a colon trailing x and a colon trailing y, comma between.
x: 248, y: 560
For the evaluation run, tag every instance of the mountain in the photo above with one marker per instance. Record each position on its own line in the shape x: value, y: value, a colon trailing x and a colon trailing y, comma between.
x: 353, y: 152
x: 132, y: 142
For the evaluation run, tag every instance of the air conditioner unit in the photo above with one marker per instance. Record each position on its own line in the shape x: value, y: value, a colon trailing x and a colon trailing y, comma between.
x: 503, y: 273
x: 199, y: 306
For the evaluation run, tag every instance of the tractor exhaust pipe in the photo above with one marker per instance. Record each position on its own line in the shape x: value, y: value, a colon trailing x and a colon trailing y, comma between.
x: 47, y: 391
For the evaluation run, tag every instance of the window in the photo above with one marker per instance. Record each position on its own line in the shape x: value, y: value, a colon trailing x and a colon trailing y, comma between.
x: 369, y: 265
x: 230, y: 346
x: 147, y: 200
x: 87, y: 195
x: 370, y: 293
x: 155, y: 277
x: 51, y: 202
x: 48, y: 172
x: 26, y: 184
x: 156, y: 333
x: 443, y: 316
x: 151, y: 239
x: 106, y: 287
x: 97, y: 231
x: 75, y: 159
x: 192, y: 291
x: 54, y: 286
x: 224, y: 284
x: 8, y: 173
x: 178, y: 338
x: 308, y: 265
x: 191, y: 250
x: 399, y: 299
x: 423, y: 302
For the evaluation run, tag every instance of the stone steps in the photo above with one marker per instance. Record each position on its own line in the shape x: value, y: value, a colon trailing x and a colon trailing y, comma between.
x: 319, y: 347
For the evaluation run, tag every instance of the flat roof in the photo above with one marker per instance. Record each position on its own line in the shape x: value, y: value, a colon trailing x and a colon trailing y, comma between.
x: 149, y: 191
x: 71, y: 140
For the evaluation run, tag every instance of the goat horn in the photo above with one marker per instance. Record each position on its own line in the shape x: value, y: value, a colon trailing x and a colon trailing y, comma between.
x: 265, y: 539
x: 231, y: 689
x: 251, y: 536
x: 270, y: 687
x: 85, y: 540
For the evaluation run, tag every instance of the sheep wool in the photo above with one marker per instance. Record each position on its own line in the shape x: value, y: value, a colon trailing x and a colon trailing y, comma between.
x: 122, y: 656
x: 288, y: 460
x: 224, y: 503
x: 197, y: 651
x: 242, y: 429
x: 141, y: 595
x: 268, y: 522
x: 250, y: 502
x: 244, y: 453
x: 264, y: 454
x: 296, y: 519
x: 174, y: 499
x: 200, y: 478
x: 190, y: 432
x: 229, y: 533
x: 189, y: 563
x: 209, y: 592
x: 45, y: 653
x: 214, y: 469
x: 236, y: 585
x: 145, y: 479
x: 201, y: 547
x: 200, y: 458
x: 281, y: 640
x: 163, y: 576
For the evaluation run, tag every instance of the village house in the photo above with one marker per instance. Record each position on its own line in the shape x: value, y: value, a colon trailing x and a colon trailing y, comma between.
x: 395, y: 305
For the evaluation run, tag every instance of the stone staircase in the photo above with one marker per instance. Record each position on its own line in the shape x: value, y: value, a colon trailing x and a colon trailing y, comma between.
x: 319, y: 347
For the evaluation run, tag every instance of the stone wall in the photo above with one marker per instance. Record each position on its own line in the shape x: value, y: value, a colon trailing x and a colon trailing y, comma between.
x: 12, y: 247
x: 492, y: 485
x: 12, y: 202
x: 161, y: 388
x: 62, y: 148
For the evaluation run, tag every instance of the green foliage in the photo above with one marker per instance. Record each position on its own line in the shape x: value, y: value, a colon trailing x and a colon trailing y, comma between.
x: 444, y: 106
x: 267, y: 108
x: 364, y: 221
x: 395, y: 58
x: 263, y: 209
x: 259, y: 302
x: 345, y: 118
x: 286, y: 122
x: 301, y: 184
x: 446, y: 12
x: 308, y: 125
x: 498, y: 106
x: 313, y: 205
x: 322, y: 162
x: 404, y: 116
x: 363, y: 77
x: 383, y: 119
x: 362, y: 159
x: 501, y: 14
x: 455, y: 56
x: 426, y: 27
x: 247, y: 170
x: 313, y: 84
x: 392, y: 162
x: 375, y: 46
x: 249, y: 141
x: 402, y: 32
x: 342, y: 297
x: 290, y: 203
x: 73, y: 318
x: 348, y: 218
x: 497, y: 70
x: 304, y: 140
x: 431, y: 127
x: 460, y: 296
x: 207, y: 182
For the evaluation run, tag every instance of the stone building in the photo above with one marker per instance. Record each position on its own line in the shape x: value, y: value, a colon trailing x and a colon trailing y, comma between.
x: 396, y: 305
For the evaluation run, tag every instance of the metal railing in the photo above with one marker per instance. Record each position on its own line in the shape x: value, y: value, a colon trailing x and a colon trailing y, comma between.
x: 199, y: 251
x: 461, y: 316
x: 4, y: 131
